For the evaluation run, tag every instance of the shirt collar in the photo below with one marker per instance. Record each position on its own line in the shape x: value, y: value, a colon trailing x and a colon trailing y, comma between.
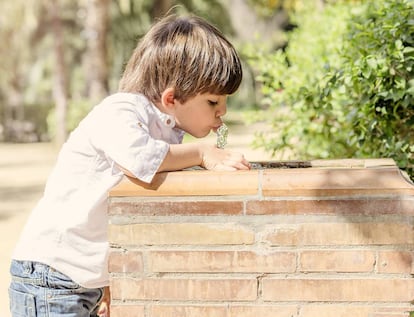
x: 167, y: 121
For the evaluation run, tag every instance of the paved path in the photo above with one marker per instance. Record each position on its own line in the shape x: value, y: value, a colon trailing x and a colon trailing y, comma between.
x: 23, y: 172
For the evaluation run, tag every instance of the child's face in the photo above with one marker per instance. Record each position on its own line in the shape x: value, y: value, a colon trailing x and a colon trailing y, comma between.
x: 200, y: 114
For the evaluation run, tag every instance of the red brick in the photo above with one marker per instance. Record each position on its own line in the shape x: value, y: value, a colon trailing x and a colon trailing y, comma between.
x: 187, y: 311
x: 262, y: 310
x: 221, y: 261
x: 353, y: 310
x: 329, y: 310
x: 316, y: 205
x: 396, y: 262
x: 183, y: 289
x: 387, y: 233
x: 334, y: 238
x: 337, y: 261
x: 407, y: 314
x: 125, y: 261
x: 180, y: 233
x: 393, y: 311
x: 127, y: 311
x: 222, y: 311
x: 164, y: 207
x: 338, y: 290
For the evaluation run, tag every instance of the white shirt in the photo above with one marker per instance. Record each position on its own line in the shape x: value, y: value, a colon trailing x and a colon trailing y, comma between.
x: 67, y: 229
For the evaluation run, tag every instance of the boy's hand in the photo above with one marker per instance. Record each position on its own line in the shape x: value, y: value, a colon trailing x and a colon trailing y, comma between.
x: 104, y: 310
x: 217, y: 159
x: 210, y: 157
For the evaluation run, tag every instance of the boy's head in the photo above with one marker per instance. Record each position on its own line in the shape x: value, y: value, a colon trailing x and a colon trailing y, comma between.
x: 186, y: 54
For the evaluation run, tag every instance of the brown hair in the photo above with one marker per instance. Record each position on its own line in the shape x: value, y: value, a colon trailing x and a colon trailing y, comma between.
x: 185, y: 53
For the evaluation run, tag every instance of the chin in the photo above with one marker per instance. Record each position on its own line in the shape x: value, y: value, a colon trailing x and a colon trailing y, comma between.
x: 200, y: 135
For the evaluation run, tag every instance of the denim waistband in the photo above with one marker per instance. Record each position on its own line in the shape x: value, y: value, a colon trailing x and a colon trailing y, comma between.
x: 39, y: 274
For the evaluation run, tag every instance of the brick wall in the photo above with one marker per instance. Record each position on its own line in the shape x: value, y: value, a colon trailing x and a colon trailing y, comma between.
x: 332, y: 240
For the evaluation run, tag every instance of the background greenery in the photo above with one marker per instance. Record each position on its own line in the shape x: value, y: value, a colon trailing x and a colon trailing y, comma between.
x: 61, y: 57
x: 331, y: 78
x: 344, y: 86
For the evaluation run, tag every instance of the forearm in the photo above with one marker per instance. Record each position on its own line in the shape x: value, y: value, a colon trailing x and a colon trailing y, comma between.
x: 210, y: 157
x: 178, y: 157
x: 182, y: 156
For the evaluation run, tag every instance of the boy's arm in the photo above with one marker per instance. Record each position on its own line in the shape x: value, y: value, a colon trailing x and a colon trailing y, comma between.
x: 180, y: 156
x: 210, y: 157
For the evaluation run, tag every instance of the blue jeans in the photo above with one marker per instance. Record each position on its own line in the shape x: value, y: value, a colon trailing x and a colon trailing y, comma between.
x: 37, y: 290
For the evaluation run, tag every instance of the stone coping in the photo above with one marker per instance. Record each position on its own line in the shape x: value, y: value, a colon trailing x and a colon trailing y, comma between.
x: 349, y: 177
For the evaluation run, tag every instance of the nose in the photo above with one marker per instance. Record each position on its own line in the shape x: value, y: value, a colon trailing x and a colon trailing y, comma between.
x: 221, y: 110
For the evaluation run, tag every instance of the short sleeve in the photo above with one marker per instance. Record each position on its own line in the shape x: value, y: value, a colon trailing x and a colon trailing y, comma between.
x: 121, y: 132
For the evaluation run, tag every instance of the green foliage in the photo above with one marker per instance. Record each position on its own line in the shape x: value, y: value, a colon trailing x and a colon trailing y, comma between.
x: 267, y: 8
x: 379, y: 56
x: 344, y: 87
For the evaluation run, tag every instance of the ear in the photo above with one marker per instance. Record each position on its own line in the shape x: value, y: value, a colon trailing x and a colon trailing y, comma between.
x: 167, y: 99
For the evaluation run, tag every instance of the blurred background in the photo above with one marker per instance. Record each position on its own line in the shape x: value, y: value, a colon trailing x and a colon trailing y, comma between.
x: 322, y: 79
x: 62, y: 57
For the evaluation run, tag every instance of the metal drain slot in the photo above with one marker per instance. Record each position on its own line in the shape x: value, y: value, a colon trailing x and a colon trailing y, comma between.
x: 280, y: 164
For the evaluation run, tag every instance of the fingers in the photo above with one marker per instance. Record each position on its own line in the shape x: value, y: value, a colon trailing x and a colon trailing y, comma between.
x: 236, y: 165
x: 238, y: 161
x: 103, y: 310
x: 234, y: 161
x: 245, y: 164
x: 217, y: 159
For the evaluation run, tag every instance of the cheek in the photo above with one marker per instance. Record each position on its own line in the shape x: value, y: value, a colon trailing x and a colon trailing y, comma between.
x: 197, y: 117
x: 202, y: 116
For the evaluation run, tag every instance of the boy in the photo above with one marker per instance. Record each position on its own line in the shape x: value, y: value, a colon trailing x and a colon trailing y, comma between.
x: 176, y: 82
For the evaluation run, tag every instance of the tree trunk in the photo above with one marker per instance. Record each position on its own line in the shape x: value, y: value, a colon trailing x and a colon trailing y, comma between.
x: 95, y: 61
x: 60, y: 90
x: 14, y: 109
x: 13, y: 103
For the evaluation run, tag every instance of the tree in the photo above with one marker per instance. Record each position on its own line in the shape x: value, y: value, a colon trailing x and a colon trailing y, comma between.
x: 95, y: 61
x: 60, y: 88
x: 15, y: 60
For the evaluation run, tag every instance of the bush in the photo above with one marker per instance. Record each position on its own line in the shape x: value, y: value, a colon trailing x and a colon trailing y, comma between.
x: 344, y: 87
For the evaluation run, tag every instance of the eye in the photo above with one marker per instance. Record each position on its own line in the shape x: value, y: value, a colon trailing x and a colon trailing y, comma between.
x: 212, y: 102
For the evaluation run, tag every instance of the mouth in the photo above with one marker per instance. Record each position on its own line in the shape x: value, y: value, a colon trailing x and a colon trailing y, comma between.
x: 216, y: 127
